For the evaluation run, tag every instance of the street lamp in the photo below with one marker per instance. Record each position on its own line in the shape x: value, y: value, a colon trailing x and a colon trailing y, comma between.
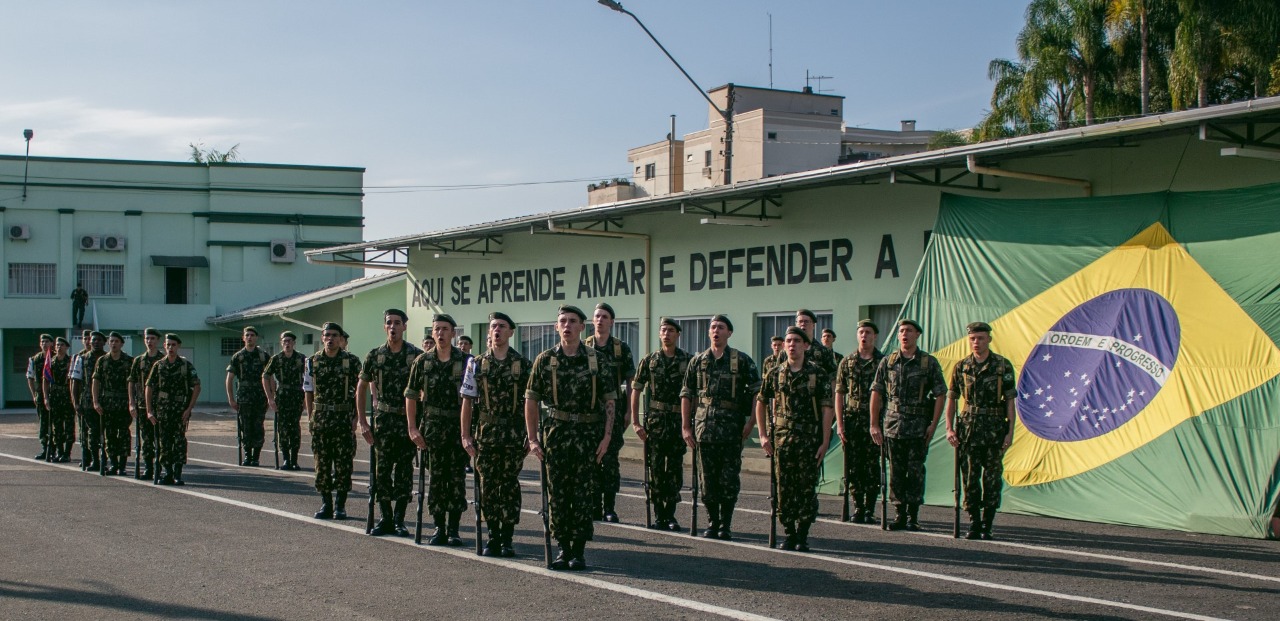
x: 28, y: 135
x: 727, y: 115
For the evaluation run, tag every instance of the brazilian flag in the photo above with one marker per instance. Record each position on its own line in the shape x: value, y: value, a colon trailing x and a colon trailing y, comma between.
x: 1144, y: 329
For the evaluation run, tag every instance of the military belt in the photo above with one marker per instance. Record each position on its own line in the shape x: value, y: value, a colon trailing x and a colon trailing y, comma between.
x: 856, y: 405
x: 708, y: 402
x: 655, y: 406
x: 333, y: 407
x: 59, y: 388
x: 909, y: 410
x: 288, y: 388
x: 432, y: 410
x: 573, y: 417
x: 998, y: 410
x: 489, y: 418
x: 114, y: 393
x: 389, y: 409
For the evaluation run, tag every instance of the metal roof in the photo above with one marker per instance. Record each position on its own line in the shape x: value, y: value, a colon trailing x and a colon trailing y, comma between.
x: 306, y: 299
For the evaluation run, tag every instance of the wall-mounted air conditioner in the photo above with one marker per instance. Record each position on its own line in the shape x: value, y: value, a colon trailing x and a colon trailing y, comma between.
x: 19, y: 231
x: 282, y: 251
x: 91, y: 242
x: 112, y: 242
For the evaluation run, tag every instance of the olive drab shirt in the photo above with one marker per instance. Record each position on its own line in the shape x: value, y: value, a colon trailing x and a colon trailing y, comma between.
x: 171, y: 384
x: 569, y: 383
x: 388, y: 372
x: 82, y: 371
x: 910, y: 387
x: 771, y: 361
x: 664, y: 376
x: 438, y: 381
x: 496, y: 388
x: 332, y: 381
x: 853, y: 380
x: 138, y: 372
x: 798, y: 396
x: 820, y: 354
x: 35, y: 371
x: 617, y: 355
x: 247, y: 367
x: 722, y: 391
x: 287, y: 372
x: 112, y: 376
x: 986, y: 388
x: 59, y: 389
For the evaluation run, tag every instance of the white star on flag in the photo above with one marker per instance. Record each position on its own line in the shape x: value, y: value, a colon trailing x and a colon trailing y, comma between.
x: 1047, y: 357
x: 1073, y: 403
x: 1083, y: 417
x: 1067, y: 374
x: 1049, y: 398
x: 1137, y: 337
x: 1105, y: 410
x: 1039, y: 391
x: 1048, y: 414
x: 1131, y: 392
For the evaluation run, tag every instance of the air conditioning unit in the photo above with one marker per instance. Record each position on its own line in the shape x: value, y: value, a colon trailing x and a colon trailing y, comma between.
x: 113, y: 242
x: 19, y: 231
x: 282, y: 250
x: 91, y: 242
x: 706, y: 172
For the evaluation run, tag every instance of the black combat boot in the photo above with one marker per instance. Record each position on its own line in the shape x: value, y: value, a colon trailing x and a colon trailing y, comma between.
x: 491, y: 546
x: 790, y: 542
x: 669, y: 512
x: 386, y: 525
x: 802, y: 537
x: 254, y: 456
x: 148, y: 472
x: 455, y: 518
x: 177, y: 475
x: 869, y: 508
x: 713, y: 520
x: 44, y: 452
x: 900, y: 521
x: 326, y: 508
x: 401, y: 506
x: 726, y: 522
x: 441, y: 534
x: 988, y: 514
x: 167, y: 479
x: 561, y: 561
x: 504, y: 544
x: 913, y: 521
x: 65, y: 455
x: 659, y: 516
x: 340, y: 505
x: 975, y: 525
x: 609, y: 514
x: 578, y: 562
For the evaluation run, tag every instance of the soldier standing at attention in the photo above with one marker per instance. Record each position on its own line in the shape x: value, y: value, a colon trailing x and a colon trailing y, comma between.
x: 436, y: 380
x: 111, y: 401
x: 79, y: 301
x: 138, y: 372
x: 984, y: 429
x: 715, y: 412
x: 807, y: 320
x: 386, y: 373
x: 775, y: 345
x: 829, y: 341
x: 853, y: 402
x: 329, y: 388
x: 282, y: 383
x: 492, y: 394
x: 57, y: 394
x: 579, y: 394
x: 35, y: 384
x: 615, y: 355
x: 908, y: 384
x: 245, y: 394
x: 81, y: 381
x: 801, y: 395
x: 465, y: 344
x: 663, y: 373
x: 172, y: 390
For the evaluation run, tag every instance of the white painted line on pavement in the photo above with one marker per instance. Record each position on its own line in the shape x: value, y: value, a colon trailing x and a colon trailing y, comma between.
x: 532, y: 569
x: 363, y: 461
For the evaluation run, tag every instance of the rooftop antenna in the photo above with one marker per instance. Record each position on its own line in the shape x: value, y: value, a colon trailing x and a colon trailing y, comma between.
x: 770, y: 49
x: 819, y: 79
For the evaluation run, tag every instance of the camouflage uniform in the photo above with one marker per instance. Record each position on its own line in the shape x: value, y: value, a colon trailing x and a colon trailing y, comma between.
x: 90, y: 422
x: 138, y: 372
x: 772, y: 360
x: 112, y: 377
x: 388, y: 372
x: 722, y: 391
x: 664, y: 376
x: 616, y: 355
x: 171, y: 384
x: 798, y: 398
x: 332, y: 381
x: 35, y: 373
x: 287, y: 372
x: 821, y: 355
x: 981, y: 425
x: 497, y: 389
x: 574, y: 389
x: 862, y: 474
x: 62, y: 416
x: 246, y: 367
x: 910, y: 387
x: 439, y: 422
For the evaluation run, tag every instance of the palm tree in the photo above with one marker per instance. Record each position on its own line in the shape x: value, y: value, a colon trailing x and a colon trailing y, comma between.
x: 1067, y: 39
x: 201, y: 155
x: 1122, y: 14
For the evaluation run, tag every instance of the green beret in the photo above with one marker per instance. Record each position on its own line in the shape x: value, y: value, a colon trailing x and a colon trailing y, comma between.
x: 569, y: 308
x: 85, y: 333
x: 667, y: 321
x: 724, y: 319
x: 978, y: 326
x: 807, y: 313
x: 829, y: 331
x: 911, y: 322
x: 331, y: 325
x: 250, y: 329
x: 604, y: 306
x: 777, y: 338
x: 116, y: 335
x: 173, y: 337
x: 345, y: 335
x: 800, y: 333
x: 466, y: 338
x: 46, y: 337
x: 445, y: 318
x: 502, y: 317
x: 867, y: 323
x: 151, y: 332
x: 97, y: 335
x: 288, y: 335
x: 63, y: 341
x: 397, y: 312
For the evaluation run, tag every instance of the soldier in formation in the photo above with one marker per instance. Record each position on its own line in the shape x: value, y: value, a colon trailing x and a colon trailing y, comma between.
x: 111, y: 402
x: 138, y: 373
x: 807, y: 320
x: 616, y: 356
x: 329, y: 386
x: 385, y: 374
x: 282, y: 383
x: 853, y: 406
x: 172, y: 389
x: 829, y: 341
x: 662, y: 372
x: 436, y: 380
x: 36, y: 366
x: 57, y: 394
x: 245, y: 395
x: 82, y: 397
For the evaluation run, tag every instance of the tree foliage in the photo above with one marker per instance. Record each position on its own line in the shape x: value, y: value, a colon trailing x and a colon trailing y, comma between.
x: 202, y: 155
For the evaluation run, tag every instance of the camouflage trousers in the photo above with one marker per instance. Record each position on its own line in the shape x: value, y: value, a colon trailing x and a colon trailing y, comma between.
x: 862, y: 471
x: 393, y: 451
x: 62, y: 418
x: 981, y: 472
x: 90, y: 427
x: 42, y: 415
x: 116, y: 420
x: 608, y: 473
x: 333, y: 442
x: 173, y: 437
x: 447, y: 462
x: 721, y: 465
x: 906, y: 469
x: 288, y: 424
x: 146, y: 436
x: 570, y: 449
x: 252, y: 419
x: 665, y: 451
x: 797, y: 474
x: 498, y: 466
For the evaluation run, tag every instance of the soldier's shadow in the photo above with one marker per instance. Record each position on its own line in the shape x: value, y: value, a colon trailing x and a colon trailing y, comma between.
x: 230, y: 480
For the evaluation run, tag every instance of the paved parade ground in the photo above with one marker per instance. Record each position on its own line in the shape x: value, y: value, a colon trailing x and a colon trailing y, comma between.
x: 240, y: 543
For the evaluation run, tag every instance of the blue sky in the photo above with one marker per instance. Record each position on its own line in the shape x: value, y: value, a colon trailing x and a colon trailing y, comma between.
x: 433, y: 93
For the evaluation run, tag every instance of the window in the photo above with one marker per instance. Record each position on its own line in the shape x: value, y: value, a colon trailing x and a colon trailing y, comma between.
x: 693, y: 334
x: 21, y: 354
x: 34, y: 279
x: 689, y: 158
x: 773, y: 135
x: 535, y: 338
x: 650, y: 171
x: 768, y: 326
x: 101, y: 280
x: 231, y: 345
x: 626, y: 331
x: 885, y: 315
x: 706, y: 158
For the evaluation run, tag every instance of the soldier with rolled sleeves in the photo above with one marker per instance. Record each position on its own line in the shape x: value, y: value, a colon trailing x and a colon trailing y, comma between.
x: 719, y: 389
x: 282, y: 383
x: 908, y: 384
x: 111, y: 401
x: 829, y: 341
x: 801, y: 395
x: 246, y: 396
x: 35, y: 373
x: 615, y: 355
x: 57, y: 394
x: 579, y: 394
x: 138, y: 372
x: 436, y: 380
x: 983, y: 430
x: 81, y: 382
x: 329, y: 388
x: 493, y: 404
x: 172, y: 390
x: 774, y: 358
x: 663, y: 373
x: 385, y: 374
x: 807, y: 320
x: 853, y: 404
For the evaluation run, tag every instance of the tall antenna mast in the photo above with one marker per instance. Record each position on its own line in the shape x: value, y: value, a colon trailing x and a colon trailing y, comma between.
x: 819, y: 79
x: 770, y: 50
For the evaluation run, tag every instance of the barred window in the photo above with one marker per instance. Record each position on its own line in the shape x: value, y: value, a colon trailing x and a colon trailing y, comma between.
x: 768, y: 326
x: 231, y: 345
x: 536, y: 338
x: 693, y: 334
x: 101, y: 280
x: 34, y: 279
x: 626, y: 331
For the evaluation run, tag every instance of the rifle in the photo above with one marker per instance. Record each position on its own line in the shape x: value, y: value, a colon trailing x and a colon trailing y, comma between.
x: 156, y: 471
x: 239, y: 441
x: 884, y: 482
x: 773, y: 485
x: 84, y: 441
x: 275, y: 435
x: 102, y: 444
x: 956, y: 491
x: 422, y: 486
x: 373, y: 476
x: 844, y: 512
x: 648, y: 491
x: 693, y: 524
x: 475, y: 491
x: 546, y: 509
x: 137, y: 441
